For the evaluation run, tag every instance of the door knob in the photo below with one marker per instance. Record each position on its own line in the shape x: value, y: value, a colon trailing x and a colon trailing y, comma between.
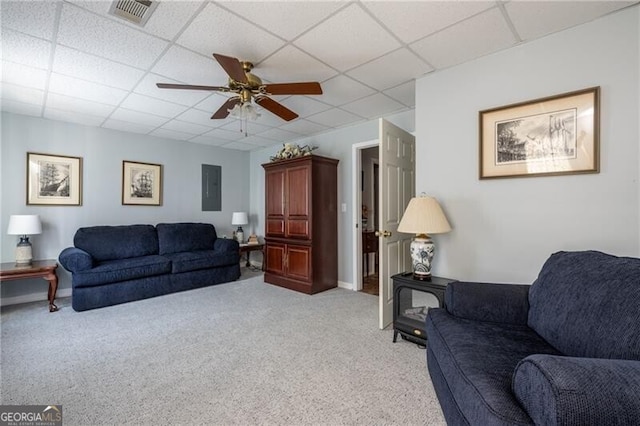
x: 383, y: 234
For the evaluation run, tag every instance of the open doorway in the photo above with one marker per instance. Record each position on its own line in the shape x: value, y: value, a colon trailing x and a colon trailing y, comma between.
x: 370, y: 201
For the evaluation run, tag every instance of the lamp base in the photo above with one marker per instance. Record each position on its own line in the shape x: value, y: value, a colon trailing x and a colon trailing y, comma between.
x: 24, y: 254
x: 240, y: 235
x: 422, y: 249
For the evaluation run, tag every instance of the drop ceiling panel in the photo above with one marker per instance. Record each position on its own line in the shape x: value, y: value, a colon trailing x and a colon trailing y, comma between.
x: 73, y: 117
x: 199, y: 117
x: 31, y: 17
x: 228, y: 135
x: 532, y: 21
x: 290, y: 64
x: 212, y: 31
x: 279, y: 135
x: 24, y: 49
x: 212, y: 103
x: 373, y: 106
x: 171, y: 134
x: 92, y: 68
x: 151, y: 105
x: 341, y: 90
x: 87, y: 90
x: 405, y: 64
x: 190, y: 68
x: 240, y: 146
x: 184, y: 127
x: 334, y: 118
x: 305, y: 105
x: 250, y: 127
x: 347, y: 39
x: 304, y: 127
x: 126, y: 126
x: 208, y: 140
x: 138, y: 117
x: 23, y: 75
x: 285, y: 19
x: 183, y: 97
x: 20, y: 108
x: 104, y: 37
x: 22, y: 94
x: 404, y: 93
x: 67, y: 103
x: 462, y: 42
x: 412, y: 20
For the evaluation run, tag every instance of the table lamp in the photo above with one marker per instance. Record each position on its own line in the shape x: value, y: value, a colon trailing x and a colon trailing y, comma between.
x: 239, y: 219
x: 422, y: 217
x: 24, y: 225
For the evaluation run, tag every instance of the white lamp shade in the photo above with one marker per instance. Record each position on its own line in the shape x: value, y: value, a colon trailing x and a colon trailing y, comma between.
x: 424, y: 216
x: 24, y: 224
x: 239, y: 218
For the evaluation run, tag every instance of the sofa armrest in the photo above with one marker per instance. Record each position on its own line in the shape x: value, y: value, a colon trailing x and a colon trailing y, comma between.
x: 504, y: 303
x: 226, y: 245
x: 75, y: 260
x: 559, y: 390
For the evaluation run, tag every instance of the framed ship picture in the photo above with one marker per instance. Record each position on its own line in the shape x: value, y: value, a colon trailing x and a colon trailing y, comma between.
x: 141, y: 184
x: 54, y: 180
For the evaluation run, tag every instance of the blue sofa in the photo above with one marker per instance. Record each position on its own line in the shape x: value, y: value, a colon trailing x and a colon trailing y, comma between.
x: 118, y: 264
x: 563, y: 351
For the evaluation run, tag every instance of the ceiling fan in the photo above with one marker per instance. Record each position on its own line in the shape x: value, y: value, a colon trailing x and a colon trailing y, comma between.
x: 247, y: 86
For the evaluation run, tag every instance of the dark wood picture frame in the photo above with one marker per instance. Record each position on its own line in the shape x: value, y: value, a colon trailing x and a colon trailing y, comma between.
x: 53, y: 180
x: 556, y: 135
x: 141, y: 184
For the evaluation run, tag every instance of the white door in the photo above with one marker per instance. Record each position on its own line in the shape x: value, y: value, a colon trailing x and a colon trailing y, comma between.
x: 397, y: 187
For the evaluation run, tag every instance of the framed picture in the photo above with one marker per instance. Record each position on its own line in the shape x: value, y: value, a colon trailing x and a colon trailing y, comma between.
x: 551, y: 136
x: 54, y: 180
x: 141, y: 184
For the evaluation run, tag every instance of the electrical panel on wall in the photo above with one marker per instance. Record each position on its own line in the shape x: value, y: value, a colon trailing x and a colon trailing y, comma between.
x: 211, y: 188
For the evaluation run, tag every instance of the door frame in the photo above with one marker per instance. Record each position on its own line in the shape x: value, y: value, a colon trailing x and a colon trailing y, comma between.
x: 356, y: 220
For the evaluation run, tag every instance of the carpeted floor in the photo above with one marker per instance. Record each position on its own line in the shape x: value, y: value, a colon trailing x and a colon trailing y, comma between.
x: 244, y: 353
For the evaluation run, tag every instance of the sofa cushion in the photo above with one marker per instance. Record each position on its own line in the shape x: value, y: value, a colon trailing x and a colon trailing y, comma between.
x: 478, y: 360
x: 117, y: 242
x: 114, y: 271
x: 183, y: 237
x: 203, y: 259
x: 585, y: 304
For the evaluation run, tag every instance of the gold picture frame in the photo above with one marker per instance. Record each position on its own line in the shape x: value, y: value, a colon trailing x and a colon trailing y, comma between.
x: 141, y: 184
x: 54, y: 180
x: 551, y: 136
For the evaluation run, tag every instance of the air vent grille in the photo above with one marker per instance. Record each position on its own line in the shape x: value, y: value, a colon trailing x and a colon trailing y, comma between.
x: 136, y: 11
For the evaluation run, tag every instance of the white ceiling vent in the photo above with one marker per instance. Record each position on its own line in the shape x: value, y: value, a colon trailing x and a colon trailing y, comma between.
x: 136, y: 11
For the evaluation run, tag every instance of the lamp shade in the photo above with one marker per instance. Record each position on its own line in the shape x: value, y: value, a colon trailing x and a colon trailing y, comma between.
x: 424, y: 216
x: 239, y: 218
x: 24, y: 224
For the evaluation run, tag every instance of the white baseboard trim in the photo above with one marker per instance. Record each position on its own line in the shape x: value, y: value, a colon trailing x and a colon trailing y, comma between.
x: 345, y: 285
x: 33, y: 297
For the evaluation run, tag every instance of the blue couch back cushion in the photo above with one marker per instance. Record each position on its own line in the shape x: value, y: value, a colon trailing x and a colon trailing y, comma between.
x: 180, y: 237
x: 117, y: 242
x: 587, y: 304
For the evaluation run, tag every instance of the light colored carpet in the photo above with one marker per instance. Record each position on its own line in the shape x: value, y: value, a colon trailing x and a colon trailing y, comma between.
x: 238, y: 353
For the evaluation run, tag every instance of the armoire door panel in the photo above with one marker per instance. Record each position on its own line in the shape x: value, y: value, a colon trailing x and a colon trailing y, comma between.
x: 275, y: 228
x: 298, y: 187
x: 275, y: 255
x: 275, y: 201
x: 299, y: 262
x: 297, y: 228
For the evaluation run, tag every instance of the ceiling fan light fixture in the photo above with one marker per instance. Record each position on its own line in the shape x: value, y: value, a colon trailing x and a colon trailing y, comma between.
x: 244, y: 111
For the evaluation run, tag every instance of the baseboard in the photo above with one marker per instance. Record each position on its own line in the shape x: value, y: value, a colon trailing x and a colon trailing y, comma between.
x: 348, y: 286
x: 33, y: 297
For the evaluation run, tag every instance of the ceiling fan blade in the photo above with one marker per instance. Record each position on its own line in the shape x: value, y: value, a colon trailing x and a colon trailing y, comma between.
x: 223, y: 111
x: 191, y: 87
x: 276, y: 108
x: 306, y: 88
x: 233, y: 67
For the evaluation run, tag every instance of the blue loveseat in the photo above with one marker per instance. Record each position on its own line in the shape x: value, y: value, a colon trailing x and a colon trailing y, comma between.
x: 563, y: 351
x: 117, y: 264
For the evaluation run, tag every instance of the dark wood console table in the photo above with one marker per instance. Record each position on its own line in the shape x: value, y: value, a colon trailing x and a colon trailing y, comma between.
x: 45, y: 269
x: 248, y: 248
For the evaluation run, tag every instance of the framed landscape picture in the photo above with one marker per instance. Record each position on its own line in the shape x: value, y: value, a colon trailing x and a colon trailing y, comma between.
x: 141, y: 184
x: 54, y: 180
x: 550, y: 136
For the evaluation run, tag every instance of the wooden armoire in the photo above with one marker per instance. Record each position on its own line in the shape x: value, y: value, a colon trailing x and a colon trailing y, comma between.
x: 301, y: 228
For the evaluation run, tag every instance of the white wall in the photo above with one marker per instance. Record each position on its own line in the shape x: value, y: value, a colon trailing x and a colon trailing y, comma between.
x: 504, y: 229
x: 335, y: 144
x: 102, y: 151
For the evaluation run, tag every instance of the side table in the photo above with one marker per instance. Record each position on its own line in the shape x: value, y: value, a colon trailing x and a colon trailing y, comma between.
x: 45, y: 269
x: 409, y: 308
x: 248, y: 248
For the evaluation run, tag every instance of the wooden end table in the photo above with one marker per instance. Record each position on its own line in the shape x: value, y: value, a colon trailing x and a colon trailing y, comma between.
x: 248, y: 248
x: 45, y: 269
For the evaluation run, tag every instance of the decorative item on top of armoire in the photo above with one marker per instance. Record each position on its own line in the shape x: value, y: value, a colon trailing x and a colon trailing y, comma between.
x: 301, y: 229
x: 290, y: 150
x: 423, y: 216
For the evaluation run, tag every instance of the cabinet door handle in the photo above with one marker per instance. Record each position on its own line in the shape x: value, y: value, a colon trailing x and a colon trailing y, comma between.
x: 383, y: 234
